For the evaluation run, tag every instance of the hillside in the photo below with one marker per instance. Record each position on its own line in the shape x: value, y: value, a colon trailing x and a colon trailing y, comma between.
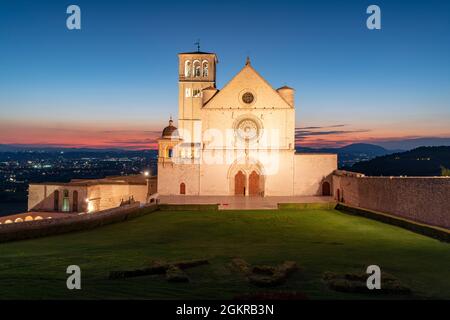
x: 352, y: 153
x: 423, y: 161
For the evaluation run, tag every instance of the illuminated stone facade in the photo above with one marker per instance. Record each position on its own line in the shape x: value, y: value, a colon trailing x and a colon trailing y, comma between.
x: 239, y: 140
x: 86, y: 195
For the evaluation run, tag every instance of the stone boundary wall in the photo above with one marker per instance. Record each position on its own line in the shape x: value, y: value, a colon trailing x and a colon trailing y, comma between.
x: 47, y: 227
x: 421, y: 199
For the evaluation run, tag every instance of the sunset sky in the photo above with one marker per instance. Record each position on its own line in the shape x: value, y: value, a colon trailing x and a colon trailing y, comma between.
x: 114, y: 83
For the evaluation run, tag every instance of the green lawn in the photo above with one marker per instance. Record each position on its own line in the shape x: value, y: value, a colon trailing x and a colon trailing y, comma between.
x: 318, y: 240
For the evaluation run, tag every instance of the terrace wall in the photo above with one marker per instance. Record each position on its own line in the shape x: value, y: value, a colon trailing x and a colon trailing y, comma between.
x: 47, y: 227
x: 421, y: 199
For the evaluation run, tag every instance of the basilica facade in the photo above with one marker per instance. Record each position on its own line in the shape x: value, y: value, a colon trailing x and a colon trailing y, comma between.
x: 238, y: 140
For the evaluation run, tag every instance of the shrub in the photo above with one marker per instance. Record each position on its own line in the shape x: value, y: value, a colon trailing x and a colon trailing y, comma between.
x: 445, y: 172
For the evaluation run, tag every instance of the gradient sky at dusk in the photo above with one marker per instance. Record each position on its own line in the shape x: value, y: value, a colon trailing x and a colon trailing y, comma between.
x: 114, y: 83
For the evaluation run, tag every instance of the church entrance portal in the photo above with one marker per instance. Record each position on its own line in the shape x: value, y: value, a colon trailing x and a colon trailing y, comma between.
x: 253, y: 184
x: 239, y: 184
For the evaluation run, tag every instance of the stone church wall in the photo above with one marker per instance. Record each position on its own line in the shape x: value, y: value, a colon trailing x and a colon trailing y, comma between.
x: 214, y: 179
x: 422, y: 199
x: 101, y: 196
x: 40, y: 196
x: 171, y: 175
x: 311, y: 171
x: 280, y: 178
x: 106, y: 196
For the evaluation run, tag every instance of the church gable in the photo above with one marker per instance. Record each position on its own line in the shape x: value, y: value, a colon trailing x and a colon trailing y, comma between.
x: 248, y: 89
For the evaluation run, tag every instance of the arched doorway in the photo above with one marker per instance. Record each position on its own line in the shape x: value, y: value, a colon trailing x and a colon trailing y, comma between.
x: 253, y: 184
x: 66, y: 201
x: 56, y: 200
x: 338, y: 195
x: 75, y: 201
x: 326, y: 190
x: 239, y: 184
x: 182, y: 188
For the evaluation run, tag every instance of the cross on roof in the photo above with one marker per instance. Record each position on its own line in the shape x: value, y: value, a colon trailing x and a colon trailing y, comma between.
x: 198, y: 45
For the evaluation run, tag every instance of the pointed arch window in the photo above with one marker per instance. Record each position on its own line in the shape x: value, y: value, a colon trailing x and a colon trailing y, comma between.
x: 187, y: 68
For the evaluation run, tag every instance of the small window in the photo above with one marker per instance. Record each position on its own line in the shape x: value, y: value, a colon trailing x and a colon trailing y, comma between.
x: 182, y: 188
x: 197, y: 93
x: 188, y: 92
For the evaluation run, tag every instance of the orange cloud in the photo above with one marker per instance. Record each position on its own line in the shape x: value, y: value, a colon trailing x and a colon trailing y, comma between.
x: 79, y: 137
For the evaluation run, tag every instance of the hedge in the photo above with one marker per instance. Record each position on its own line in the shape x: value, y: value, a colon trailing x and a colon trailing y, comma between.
x: 309, y: 206
x: 189, y: 207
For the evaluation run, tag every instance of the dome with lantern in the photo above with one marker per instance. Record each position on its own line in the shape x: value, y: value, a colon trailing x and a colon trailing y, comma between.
x: 170, y: 131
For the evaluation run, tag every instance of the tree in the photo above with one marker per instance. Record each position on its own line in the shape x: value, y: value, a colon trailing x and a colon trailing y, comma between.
x: 445, y: 172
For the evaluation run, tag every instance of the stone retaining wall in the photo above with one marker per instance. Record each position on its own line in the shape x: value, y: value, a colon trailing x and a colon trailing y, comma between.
x: 47, y: 227
x: 421, y: 199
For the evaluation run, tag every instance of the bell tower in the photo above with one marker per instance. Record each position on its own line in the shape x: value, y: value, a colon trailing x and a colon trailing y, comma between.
x: 197, y: 71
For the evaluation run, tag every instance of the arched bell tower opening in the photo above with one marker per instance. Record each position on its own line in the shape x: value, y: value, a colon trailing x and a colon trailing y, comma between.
x: 197, y: 71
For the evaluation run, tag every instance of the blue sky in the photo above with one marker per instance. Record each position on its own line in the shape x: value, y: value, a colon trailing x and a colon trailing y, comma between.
x: 120, y: 71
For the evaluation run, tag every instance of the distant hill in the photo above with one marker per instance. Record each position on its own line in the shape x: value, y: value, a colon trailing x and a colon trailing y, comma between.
x: 409, y: 144
x: 352, y: 153
x: 423, y: 161
x: 364, y: 148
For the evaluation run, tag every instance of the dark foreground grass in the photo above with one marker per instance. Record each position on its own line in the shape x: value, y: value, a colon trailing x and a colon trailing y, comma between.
x: 318, y: 240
